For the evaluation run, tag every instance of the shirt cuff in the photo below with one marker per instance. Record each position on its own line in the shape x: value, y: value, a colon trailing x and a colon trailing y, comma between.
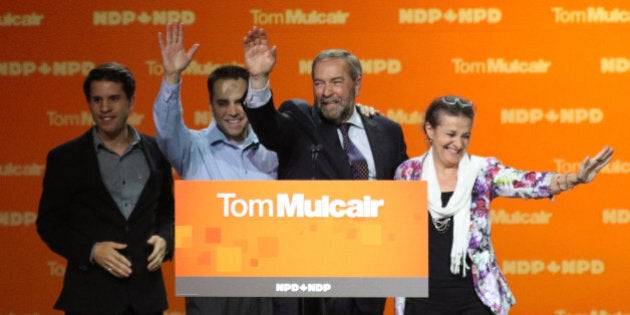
x: 92, y: 254
x: 168, y: 91
x: 257, y: 98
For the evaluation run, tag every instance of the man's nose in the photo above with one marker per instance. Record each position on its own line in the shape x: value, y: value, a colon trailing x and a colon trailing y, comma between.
x: 328, y: 89
x: 232, y: 109
x: 105, y: 106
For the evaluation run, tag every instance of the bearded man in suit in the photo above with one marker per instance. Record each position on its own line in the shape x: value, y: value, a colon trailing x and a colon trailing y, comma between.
x: 312, y: 141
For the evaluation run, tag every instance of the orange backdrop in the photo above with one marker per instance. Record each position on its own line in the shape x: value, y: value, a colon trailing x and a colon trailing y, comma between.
x: 549, y: 82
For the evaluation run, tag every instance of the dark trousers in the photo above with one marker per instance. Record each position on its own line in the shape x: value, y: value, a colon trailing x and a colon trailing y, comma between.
x: 128, y: 311
x: 329, y: 306
x: 229, y: 306
x: 453, y: 306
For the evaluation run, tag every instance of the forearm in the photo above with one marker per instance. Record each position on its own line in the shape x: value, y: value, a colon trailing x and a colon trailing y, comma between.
x: 259, y: 82
x: 563, y: 182
x: 55, y: 211
x: 172, y: 77
x: 172, y: 135
x: 62, y: 238
x: 273, y: 128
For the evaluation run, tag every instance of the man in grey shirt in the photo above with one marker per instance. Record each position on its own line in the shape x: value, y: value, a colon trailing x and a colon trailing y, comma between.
x: 107, y: 207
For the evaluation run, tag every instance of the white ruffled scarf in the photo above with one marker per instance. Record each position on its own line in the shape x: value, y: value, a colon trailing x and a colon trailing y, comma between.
x: 458, y: 205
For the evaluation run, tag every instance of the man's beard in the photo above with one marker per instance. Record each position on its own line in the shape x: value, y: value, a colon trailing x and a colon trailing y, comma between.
x: 337, y: 115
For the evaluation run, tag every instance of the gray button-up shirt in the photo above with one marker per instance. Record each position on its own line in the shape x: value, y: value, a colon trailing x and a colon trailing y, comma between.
x: 124, y: 176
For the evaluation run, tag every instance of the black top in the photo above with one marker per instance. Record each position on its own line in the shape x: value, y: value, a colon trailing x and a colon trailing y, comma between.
x: 442, y: 282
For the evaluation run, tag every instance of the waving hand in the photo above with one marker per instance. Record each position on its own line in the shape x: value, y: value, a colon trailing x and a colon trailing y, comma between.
x: 259, y: 57
x: 174, y: 58
x: 590, y: 167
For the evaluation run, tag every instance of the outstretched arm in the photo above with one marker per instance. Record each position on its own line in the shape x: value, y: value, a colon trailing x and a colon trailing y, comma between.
x: 259, y: 57
x: 174, y: 58
x: 587, y: 172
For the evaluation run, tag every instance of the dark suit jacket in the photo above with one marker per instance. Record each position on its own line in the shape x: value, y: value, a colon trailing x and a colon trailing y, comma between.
x: 308, y: 147
x: 76, y: 211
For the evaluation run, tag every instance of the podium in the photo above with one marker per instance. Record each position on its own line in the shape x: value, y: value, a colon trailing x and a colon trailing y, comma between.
x: 301, y: 238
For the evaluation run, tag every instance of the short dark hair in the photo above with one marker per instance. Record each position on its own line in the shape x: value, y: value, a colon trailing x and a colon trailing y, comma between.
x: 451, y: 105
x: 111, y: 71
x: 354, y: 65
x: 226, y: 72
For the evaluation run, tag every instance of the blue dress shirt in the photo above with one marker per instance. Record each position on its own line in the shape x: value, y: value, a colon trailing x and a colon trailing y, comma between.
x: 207, y: 154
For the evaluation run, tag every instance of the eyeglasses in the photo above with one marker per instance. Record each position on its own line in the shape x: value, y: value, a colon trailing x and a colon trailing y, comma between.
x: 454, y: 100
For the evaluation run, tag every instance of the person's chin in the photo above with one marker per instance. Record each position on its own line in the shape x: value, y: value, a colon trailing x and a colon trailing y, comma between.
x: 234, y: 133
x: 456, y: 159
x: 331, y: 114
x: 107, y: 127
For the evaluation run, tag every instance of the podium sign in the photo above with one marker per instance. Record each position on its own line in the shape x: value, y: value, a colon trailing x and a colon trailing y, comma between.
x: 301, y: 238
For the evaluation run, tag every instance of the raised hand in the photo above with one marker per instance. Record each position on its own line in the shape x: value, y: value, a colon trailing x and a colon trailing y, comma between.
x: 590, y: 167
x: 259, y: 57
x: 174, y: 58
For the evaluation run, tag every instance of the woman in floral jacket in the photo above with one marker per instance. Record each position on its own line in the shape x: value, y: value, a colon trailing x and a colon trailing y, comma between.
x: 464, y: 277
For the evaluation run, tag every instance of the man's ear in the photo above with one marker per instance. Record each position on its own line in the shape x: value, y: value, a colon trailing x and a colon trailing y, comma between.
x: 357, y: 86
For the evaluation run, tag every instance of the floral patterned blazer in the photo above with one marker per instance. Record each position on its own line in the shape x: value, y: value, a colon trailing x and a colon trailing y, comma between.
x: 494, y: 179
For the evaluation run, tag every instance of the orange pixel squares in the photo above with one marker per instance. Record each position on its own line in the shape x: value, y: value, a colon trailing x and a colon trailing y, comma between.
x: 213, y: 235
x: 229, y: 259
x: 268, y: 247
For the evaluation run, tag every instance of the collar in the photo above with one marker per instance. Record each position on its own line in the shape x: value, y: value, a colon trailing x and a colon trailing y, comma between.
x: 98, y: 142
x: 355, y: 119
